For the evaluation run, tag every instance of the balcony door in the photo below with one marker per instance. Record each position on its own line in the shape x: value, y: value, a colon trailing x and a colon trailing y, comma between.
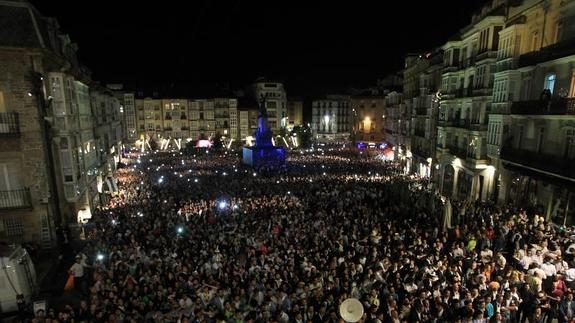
x: 10, y: 184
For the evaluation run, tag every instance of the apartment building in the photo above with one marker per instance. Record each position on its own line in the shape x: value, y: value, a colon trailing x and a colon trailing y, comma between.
x: 422, y: 82
x: 467, y: 80
x: 531, y: 126
x: 50, y: 146
x: 331, y: 118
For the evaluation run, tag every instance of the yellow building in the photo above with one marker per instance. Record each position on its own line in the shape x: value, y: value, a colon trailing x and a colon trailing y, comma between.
x: 368, y: 118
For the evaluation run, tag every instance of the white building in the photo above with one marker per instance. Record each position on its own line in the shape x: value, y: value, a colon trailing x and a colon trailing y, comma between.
x: 332, y: 118
x: 467, y: 82
x: 276, y: 102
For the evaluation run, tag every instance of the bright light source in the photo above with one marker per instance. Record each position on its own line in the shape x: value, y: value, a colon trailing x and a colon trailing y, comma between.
x: 289, y: 192
x: 236, y: 206
x: 254, y: 174
x: 195, y: 180
x: 222, y: 205
x: 100, y: 257
x: 113, y: 222
x: 160, y: 180
x: 180, y: 229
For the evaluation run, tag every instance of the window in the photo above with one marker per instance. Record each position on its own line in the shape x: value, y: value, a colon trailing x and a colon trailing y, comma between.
x: 540, y: 139
x: 550, y: 82
x: 535, y: 41
x: 14, y: 226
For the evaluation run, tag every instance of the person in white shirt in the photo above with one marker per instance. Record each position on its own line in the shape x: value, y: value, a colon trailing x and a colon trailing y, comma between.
x: 77, y: 270
x: 548, y: 268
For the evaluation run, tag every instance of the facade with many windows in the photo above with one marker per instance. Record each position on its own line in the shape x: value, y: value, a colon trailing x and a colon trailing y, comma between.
x: 532, y: 122
x: 422, y: 81
x: 467, y: 83
x: 56, y: 129
x: 184, y: 119
x: 331, y: 118
x: 276, y: 102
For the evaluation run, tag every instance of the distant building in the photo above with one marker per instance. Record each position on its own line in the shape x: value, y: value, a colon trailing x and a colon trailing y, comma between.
x: 422, y: 82
x: 331, y: 118
x: 247, y: 119
x: 294, y: 112
x: 368, y: 117
x: 276, y: 102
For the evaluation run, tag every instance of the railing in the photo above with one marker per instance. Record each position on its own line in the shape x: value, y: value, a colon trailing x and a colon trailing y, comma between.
x: 477, y: 126
x: 9, y: 125
x: 508, y: 63
x: 562, y: 106
x: 445, y: 123
x: 420, y: 151
x: 550, y: 163
x: 558, y: 50
x: 461, y: 123
x: 458, y: 152
x: 486, y: 54
x: 467, y: 62
x: 15, y: 199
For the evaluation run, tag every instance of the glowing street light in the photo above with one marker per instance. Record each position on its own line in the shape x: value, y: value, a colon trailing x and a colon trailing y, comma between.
x: 180, y: 230
x: 100, y: 257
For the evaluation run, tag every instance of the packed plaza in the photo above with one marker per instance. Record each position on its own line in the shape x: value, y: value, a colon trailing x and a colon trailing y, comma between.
x: 202, y: 238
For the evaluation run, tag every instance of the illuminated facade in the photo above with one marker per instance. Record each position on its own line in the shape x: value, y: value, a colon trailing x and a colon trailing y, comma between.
x: 368, y: 117
x: 532, y: 121
x: 466, y: 95
x: 184, y: 119
x: 60, y: 132
x: 422, y: 81
x: 331, y: 118
x: 276, y: 102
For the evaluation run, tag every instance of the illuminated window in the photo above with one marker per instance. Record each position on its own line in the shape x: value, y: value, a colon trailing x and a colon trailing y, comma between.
x: 550, y: 82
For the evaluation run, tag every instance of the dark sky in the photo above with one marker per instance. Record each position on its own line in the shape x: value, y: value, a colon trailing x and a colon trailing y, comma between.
x: 314, y: 46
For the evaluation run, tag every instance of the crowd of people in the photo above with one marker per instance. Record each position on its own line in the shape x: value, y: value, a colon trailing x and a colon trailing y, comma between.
x: 202, y: 238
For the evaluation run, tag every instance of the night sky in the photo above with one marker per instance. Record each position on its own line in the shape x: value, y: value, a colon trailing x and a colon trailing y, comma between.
x: 313, y: 46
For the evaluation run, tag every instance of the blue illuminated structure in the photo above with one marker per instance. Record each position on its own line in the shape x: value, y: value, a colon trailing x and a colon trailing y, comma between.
x: 264, y: 153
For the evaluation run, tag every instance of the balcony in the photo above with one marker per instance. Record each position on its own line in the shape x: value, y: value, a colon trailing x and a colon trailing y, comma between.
x: 477, y: 126
x: 505, y: 64
x: 451, y: 68
x: 422, y: 152
x: 542, y: 162
x: 485, y: 55
x: 15, y: 199
x: 560, y: 106
x: 461, y: 123
x: 467, y: 62
x: 9, y: 125
x: 561, y: 49
x: 445, y: 123
x: 458, y: 152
